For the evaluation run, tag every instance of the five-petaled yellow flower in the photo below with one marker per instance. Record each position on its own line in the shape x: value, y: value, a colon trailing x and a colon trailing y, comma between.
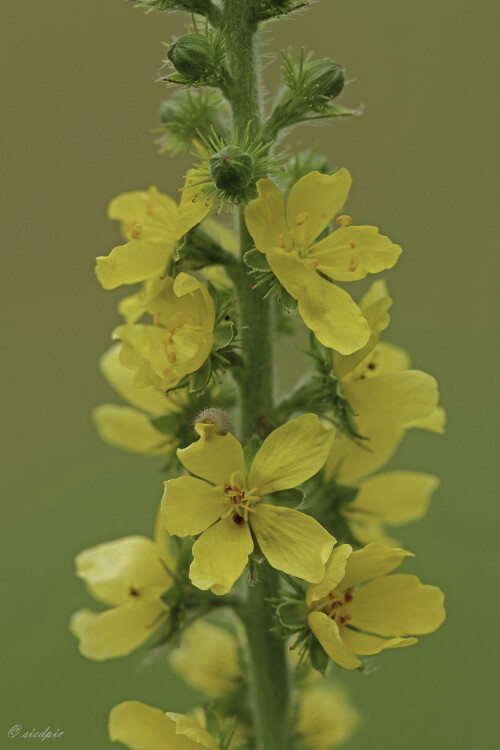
x: 387, y: 397
x: 350, y: 620
x: 152, y: 223
x: 180, y: 339
x: 226, y: 503
x: 127, y: 574
x: 142, y: 727
x: 289, y: 238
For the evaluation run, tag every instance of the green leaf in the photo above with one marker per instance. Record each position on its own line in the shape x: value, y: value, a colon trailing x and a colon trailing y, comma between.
x: 292, y: 498
x: 199, y: 380
x: 293, y: 614
x: 166, y: 423
x: 287, y: 302
x: 223, y: 335
x: 256, y: 260
x: 318, y: 656
x: 250, y: 451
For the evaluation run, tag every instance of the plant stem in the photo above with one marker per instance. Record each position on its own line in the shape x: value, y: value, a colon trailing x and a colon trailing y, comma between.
x: 269, y: 667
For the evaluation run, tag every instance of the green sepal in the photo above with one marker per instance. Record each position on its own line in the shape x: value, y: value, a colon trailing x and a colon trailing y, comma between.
x: 166, y: 423
x: 293, y: 614
x: 318, y: 656
x: 213, y: 724
x: 256, y: 260
x: 292, y: 498
x: 287, y: 302
x: 250, y: 451
x: 224, y: 333
x: 199, y: 380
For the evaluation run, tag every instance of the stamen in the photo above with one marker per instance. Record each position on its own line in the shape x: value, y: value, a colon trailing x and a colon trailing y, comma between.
x: 344, y: 220
x: 301, y: 218
x: 311, y: 263
x: 281, y: 242
x: 353, y: 264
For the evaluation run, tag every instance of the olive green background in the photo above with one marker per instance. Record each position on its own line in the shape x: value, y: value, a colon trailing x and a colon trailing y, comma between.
x: 78, y: 100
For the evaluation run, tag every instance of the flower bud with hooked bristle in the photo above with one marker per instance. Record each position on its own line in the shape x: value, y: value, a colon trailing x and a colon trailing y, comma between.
x: 231, y: 169
x: 191, y: 55
x: 217, y: 417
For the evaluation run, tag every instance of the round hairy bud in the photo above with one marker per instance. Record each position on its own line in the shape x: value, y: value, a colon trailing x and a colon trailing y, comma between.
x: 231, y: 169
x: 191, y: 55
x: 326, y: 76
x: 217, y: 417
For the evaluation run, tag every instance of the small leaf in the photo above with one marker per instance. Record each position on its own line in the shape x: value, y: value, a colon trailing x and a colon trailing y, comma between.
x: 223, y: 335
x: 166, y: 423
x: 292, y: 498
x: 256, y: 260
x: 199, y: 380
x: 287, y: 302
x: 250, y: 451
x: 318, y: 656
x: 293, y: 614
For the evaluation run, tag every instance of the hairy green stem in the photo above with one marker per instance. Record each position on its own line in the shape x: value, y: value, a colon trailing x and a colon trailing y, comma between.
x: 269, y: 668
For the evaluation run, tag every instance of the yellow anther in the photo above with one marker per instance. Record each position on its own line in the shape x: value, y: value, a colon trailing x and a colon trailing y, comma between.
x: 157, y: 318
x: 353, y: 264
x: 166, y: 371
x: 281, y: 239
x: 311, y: 263
x: 344, y: 220
x: 300, y: 218
x: 352, y: 245
x: 134, y: 229
x: 168, y: 337
x: 172, y: 358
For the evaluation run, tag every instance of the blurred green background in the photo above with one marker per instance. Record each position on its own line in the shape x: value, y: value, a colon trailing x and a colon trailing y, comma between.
x: 78, y: 101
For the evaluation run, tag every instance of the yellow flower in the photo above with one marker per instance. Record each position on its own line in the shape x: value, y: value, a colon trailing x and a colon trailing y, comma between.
x: 393, y: 499
x: 152, y: 224
x: 327, y: 718
x: 288, y: 238
x: 387, y: 397
x: 128, y: 575
x: 350, y: 622
x: 142, y: 727
x: 180, y: 340
x: 128, y: 428
x: 207, y: 659
x: 228, y: 503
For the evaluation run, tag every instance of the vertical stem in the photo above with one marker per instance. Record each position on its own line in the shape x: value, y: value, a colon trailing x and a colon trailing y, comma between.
x: 269, y: 668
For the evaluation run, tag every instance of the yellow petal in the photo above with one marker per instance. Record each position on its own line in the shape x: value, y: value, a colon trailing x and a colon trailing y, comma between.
x: 349, y: 461
x: 124, y: 571
x: 135, y: 261
x: 213, y: 457
x: 435, y: 422
x: 120, y: 378
x: 316, y: 198
x: 326, y: 717
x: 378, y: 319
x: 326, y: 309
x: 192, y: 348
x: 292, y: 541
x: 372, y: 561
x: 193, y: 207
x: 130, y: 430
x: 398, y: 605
x: 334, y: 573
x: 399, y: 397
x: 365, y: 532
x: 190, y: 505
x: 142, y: 727
x: 118, y: 631
x: 188, y: 727
x: 290, y: 455
x: 394, y: 498
x: 265, y: 217
x: 207, y: 658
x: 363, y: 644
x: 131, y: 308
x: 327, y: 633
x: 220, y: 556
x: 141, y: 342
x: 350, y: 253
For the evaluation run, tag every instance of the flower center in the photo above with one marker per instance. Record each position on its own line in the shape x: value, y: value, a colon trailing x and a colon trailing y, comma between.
x: 237, y: 501
x: 337, y: 605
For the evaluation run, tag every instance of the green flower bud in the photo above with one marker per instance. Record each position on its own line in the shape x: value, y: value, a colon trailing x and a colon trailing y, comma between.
x: 191, y: 55
x: 231, y: 169
x: 326, y: 76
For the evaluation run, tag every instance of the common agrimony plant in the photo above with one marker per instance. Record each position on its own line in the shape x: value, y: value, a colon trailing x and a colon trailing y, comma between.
x: 270, y: 565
